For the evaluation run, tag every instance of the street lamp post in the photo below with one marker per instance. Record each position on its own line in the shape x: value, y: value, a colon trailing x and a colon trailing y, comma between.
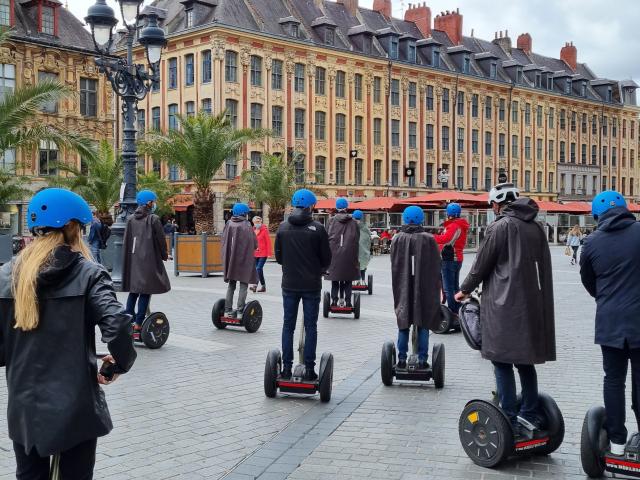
x: 131, y: 82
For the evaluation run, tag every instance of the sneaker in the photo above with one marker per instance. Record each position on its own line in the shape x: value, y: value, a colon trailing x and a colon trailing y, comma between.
x: 310, y: 375
x: 334, y: 303
x: 238, y: 313
x: 402, y: 364
x: 423, y: 365
x: 231, y: 314
x: 253, y: 288
x: 136, y: 332
x: 520, y: 433
x: 227, y: 313
x: 261, y: 289
x: 348, y: 305
x: 617, y: 449
x: 286, y: 372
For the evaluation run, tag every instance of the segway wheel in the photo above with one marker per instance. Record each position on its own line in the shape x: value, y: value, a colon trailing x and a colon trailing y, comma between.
x: 445, y: 320
x: 252, y: 316
x: 326, y: 377
x: 593, y: 442
x: 216, y: 314
x: 554, y: 423
x: 326, y: 301
x: 438, y: 365
x: 155, y: 330
x: 370, y: 284
x: 356, y: 306
x: 271, y: 369
x: 387, y: 362
x: 485, y: 433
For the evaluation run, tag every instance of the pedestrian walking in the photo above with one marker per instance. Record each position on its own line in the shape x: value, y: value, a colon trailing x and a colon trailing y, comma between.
x: 262, y: 253
x: 344, y: 240
x: 239, y: 244
x: 52, y: 296
x: 302, y: 248
x: 574, y: 240
x: 364, y: 246
x: 610, y: 272
x: 145, y: 249
x: 95, y: 237
x: 170, y: 228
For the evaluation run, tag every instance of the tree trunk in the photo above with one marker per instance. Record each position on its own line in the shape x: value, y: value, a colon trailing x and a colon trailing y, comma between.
x: 203, y: 216
x: 276, y: 217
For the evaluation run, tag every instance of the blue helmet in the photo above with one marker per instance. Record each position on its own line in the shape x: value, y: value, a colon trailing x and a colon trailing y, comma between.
x: 358, y: 215
x: 605, y: 201
x: 454, y: 210
x: 240, y: 209
x: 303, y: 198
x: 55, y: 207
x: 413, y: 215
x: 342, y: 203
x: 146, y: 196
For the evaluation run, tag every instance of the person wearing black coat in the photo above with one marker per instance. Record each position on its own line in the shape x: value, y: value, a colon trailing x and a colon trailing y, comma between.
x: 52, y: 296
x: 610, y: 271
x: 302, y: 248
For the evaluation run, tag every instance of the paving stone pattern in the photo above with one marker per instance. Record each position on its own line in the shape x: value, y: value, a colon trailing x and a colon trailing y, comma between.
x: 196, y: 408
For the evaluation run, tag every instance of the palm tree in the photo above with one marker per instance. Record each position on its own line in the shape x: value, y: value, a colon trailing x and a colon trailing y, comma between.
x: 273, y: 184
x: 164, y: 189
x: 11, y: 187
x: 199, y: 147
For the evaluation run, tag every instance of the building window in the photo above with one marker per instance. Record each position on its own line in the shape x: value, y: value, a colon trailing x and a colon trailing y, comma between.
x: 550, y: 82
x: 445, y: 138
x: 527, y: 181
x: 501, y: 145
x: 519, y: 75
x: 276, y: 121
x: 358, y: 127
x: 466, y: 64
x: 88, y: 97
x: 341, y: 127
x: 231, y: 66
x: 604, y: 155
x: 320, y: 80
x: 538, y: 80
x: 377, y: 131
x: 430, y: 97
x: 501, y: 110
x: 359, y: 167
x: 514, y: 177
x: 614, y: 127
x: 413, y: 143
x: 377, y: 172
x: 340, y: 84
x: 173, y: 73
x: 429, y: 137
x: 527, y: 114
x: 539, y: 148
x: 563, y: 119
x: 527, y: 148
x: 190, y: 108
x: 539, y: 181
x: 539, y: 116
x: 552, y: 120
x: 256, y: 160
x: 632, y: 156
x: 340, y: 169
x: 231, y: 167
x: 295, y: 30
x: 321, y: 122
x: 8, y: 161
x: 395, y: 133
x: 395, y: 167
x: 474, y: 141
x: 299, y: 122
x: 613, y: 183
x: 567, y: 86
x: 189, y: 71
x: 48, y: 158
x: 7, y: 79
x: 413, y: 90
x: 594, y: 155
x: 357, y: 87
x: 411, y: 53
x: 206, y: 66
x: 189, y: 17
x: 550, y: 184
x: 329, y: 36
x: 474, y: 178
x: 461, y: 104
x: 493, y: 71
x: 562, y: 152
x: 551, y: 152
x: 584, y: 123
x: 411, y: 181
x: 394, y: 50
x: 5, y: 12
x: 514, y: 146
x: 276, y: 74
x: 173, y: 116
x: 605, y: 126
x: 488, y: 147
x: 460, y: 178
x: 445, y: 100
x: 435, y: 58
x: 377, y: 90
x: 52, y: 105
x: 205, y: 106
x: 604, y: 183
x: 574, y: 118
x: 232, y: 112
x: 298, y: 80
x: 610, y: 94
x: 488, y: 108
x: 583, y: 156
x: 488, y: 178
x: 594, y: 125
x: 429, y: 171
x: 155, y: 119
x: 514, y: 112
x: 321, y: 166
x: 395, y: 92
x: 256, y: 115
x: 256, y: 71
x: 474, y: 105
x: 48, y: 20
x: 614, y: 156
x: 460, y: 139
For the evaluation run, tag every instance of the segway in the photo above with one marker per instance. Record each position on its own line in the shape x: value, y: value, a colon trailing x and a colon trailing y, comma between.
x: 341, y: 308
x: 273, y: 380
x: 251, y: 317
x: 364, y: 287
x: 449, y: 321
x: 389, y: 369
x: 154, y: 331
x: 594, y: 448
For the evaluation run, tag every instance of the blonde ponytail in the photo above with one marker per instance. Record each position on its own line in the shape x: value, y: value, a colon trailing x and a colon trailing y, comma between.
x: 31, y: 262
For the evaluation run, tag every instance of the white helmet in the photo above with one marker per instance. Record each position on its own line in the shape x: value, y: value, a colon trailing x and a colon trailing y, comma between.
x: 499, y: 193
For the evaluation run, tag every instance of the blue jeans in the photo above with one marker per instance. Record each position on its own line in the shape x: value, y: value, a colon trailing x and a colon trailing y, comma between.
x: 95, y: 252
x: 260, y: 261
x: 142, y: 299
x: 506, y: 386
x: 311, y: 309
x: 451, y: 282
x: 423, y: 343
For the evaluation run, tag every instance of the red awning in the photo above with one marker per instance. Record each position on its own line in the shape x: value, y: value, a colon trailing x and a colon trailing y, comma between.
x: 326, y: 204
x: 447, y: 196
x: 577, y: 207
x: 377, y: 204
x: 634, y: 207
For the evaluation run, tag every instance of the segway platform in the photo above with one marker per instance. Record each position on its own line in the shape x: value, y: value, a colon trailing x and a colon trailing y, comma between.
x: 273, y: 380
x: 154, y: 331
x: 594, y: 449
x: 389, y: 370
x: 366, y: 287
x: 488, y: 438
x: 251, y: 318
x: 327, y: 308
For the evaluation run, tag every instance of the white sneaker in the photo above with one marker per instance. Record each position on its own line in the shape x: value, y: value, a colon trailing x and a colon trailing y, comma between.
x: 617, y: 449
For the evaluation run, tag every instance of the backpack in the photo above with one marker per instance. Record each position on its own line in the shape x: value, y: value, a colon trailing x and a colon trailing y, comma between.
x: 104, y: 233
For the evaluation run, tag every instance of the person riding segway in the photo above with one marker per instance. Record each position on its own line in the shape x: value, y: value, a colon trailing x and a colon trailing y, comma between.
x: 364, y: 255
x: 518, y: 329
x: 610, y: 272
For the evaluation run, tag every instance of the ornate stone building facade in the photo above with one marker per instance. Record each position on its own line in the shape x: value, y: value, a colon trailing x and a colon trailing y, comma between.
x: 49, y: 43
x: 375, y: 105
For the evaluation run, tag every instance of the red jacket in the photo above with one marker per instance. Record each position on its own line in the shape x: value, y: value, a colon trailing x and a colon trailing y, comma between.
x: 455, y: 231
x: 264, y: 243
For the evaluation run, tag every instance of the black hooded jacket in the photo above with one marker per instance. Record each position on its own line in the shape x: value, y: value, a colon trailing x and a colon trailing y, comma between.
x: 610, y: 271
x: 302, y: 248
x: 54, y: 400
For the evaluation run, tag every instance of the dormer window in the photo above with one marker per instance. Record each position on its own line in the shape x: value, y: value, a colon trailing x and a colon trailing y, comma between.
x: 538, y: 80
x: 567, y: 87
x: 330, y: 37
x: 583, y: 89
x: 411, y: 52
x: 189, y: 14
x: 518, y: 75
x: 493, y: 72
x: 609, y: 94
x: 48, y: 20
x: 5, y: 12
x: 295, y: 30
x: 435, y: 58
x: 366, y: 45
x: 466, y: 64
x: 550, y: 82
x: 393, y: 50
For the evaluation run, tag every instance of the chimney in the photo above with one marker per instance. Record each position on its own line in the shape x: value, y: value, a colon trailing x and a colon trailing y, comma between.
x: 451, y: 24
x: 351, y: 6
x: 383, y: 7
x: 525, y: 43
x: 503, y: 41
x: 569, y: 55
x: 421, y: 16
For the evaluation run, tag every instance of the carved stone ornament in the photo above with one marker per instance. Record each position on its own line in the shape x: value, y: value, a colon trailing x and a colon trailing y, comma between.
x: 320, y: 147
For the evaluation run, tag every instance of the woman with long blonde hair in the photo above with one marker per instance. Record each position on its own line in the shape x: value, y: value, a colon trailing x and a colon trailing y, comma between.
x: 52, y: 296
x: 573, y: 240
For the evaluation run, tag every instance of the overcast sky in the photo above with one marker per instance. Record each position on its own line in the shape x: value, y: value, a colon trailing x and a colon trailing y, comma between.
x: 604, y: 31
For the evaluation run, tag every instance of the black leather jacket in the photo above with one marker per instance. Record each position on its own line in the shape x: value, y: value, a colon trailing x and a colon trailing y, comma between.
x: 54, y: 398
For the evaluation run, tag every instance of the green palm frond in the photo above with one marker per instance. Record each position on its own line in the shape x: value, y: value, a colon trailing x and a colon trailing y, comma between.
x: 12, y: 187
x: 164, y: 189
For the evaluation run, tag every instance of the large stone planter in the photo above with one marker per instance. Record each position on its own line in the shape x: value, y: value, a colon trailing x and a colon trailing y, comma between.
x: 201, y: 254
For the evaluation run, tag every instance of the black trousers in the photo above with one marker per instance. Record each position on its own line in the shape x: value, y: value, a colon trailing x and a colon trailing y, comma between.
x: 341, y: 290
x: 75, y: 464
